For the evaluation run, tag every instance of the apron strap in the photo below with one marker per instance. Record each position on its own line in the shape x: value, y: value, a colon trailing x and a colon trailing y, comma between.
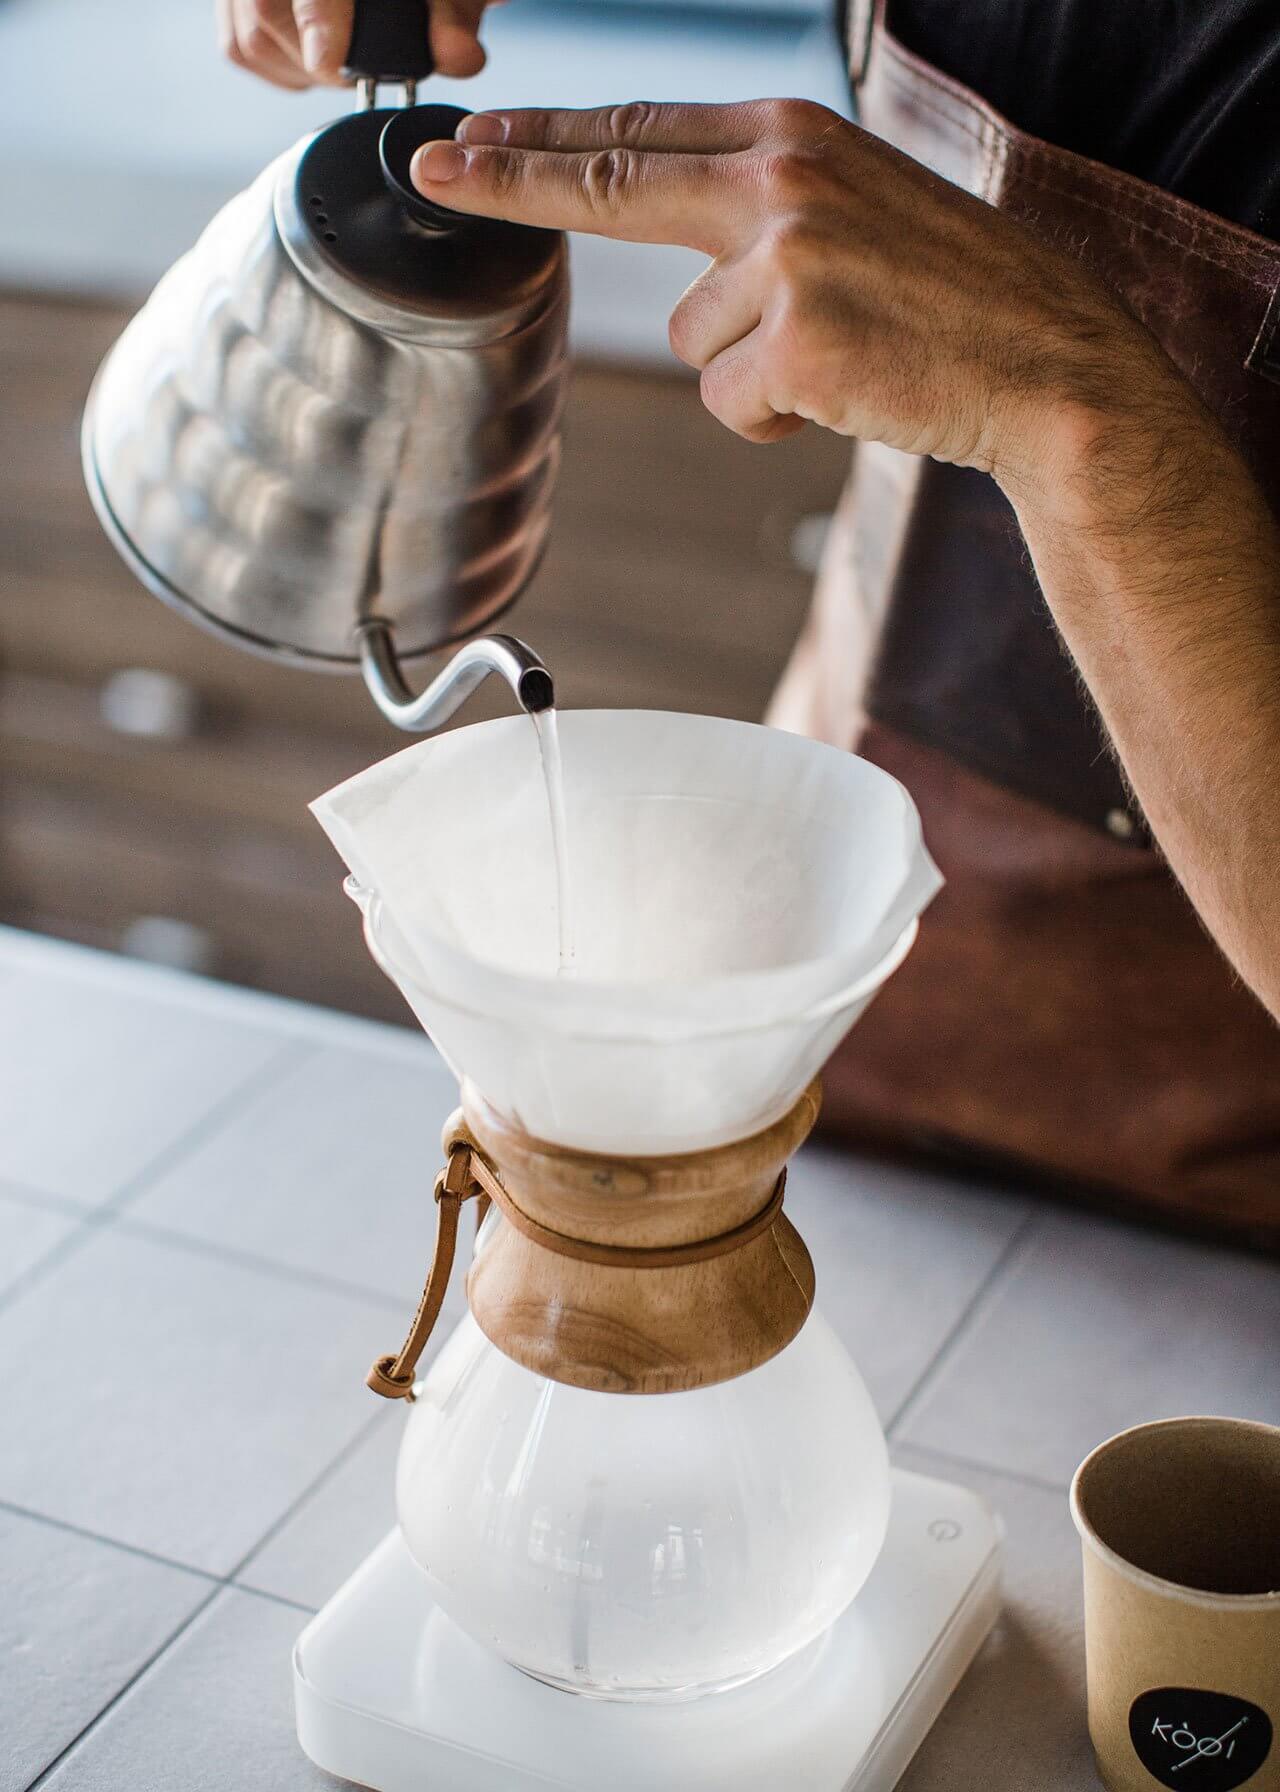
x: 859, y: 30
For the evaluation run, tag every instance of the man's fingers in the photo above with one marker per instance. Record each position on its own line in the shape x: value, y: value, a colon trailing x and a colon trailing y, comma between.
x: 297, y: 42
x: 323, y: 32
x: 455, y: 37
x: 262, y: 34
x: 699, y: 201
x: 640, y: 124
x: 733, y: 391
x: 717, y: 310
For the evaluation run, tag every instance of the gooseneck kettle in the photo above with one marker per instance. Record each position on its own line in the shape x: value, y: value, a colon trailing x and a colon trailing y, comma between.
x: 332, y: 432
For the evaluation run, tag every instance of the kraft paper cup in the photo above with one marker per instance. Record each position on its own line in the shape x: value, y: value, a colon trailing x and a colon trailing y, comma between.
x: 1180, y: 1525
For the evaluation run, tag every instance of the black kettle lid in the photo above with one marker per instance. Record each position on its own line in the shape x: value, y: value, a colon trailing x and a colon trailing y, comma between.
x: 403, y: 135
x: 365, y: 217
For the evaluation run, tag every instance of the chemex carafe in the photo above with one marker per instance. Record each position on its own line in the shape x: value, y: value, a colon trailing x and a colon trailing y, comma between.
x: 331, y: 434
x: 644, y: 1466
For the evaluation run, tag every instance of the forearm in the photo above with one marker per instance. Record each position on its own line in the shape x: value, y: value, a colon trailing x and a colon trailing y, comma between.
x: 1161, y: 563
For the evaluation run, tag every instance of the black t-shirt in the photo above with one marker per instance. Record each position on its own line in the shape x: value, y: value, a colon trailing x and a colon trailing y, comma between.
x: 1182, y: 93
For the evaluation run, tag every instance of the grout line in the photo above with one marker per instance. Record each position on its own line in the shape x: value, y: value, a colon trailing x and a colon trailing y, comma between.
x: 162, y: 1561
x: 217, y: 1584
x: 294, y: 1605
x: 1039, y: 1482
x: 326, y: 1474
x: 97, y: 1219
x: 46, y: 1773
x: 81, y: 1231
x: 253, y: 1260
x: 129, y: 1549
x: 227, y: 1579
x: 264, y: 1077
x: 24, y: 1194
x: 977, y: 1304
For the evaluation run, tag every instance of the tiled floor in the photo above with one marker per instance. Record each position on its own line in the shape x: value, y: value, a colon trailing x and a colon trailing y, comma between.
x: 214, y: 1211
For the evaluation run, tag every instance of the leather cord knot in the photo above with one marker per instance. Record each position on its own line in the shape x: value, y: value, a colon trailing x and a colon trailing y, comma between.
x: 383, y: 1379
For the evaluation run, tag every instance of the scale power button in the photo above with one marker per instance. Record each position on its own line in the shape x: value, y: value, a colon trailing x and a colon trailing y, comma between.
x: 944, y: 1530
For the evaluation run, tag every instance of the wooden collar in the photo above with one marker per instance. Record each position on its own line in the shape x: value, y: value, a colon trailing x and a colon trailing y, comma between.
x: 636, y: 1275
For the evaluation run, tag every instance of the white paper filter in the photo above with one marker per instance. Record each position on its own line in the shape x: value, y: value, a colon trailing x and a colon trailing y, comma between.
x: 738, y: 895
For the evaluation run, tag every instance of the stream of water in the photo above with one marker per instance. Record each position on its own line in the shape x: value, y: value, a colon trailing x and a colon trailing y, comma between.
x: 545, y: 726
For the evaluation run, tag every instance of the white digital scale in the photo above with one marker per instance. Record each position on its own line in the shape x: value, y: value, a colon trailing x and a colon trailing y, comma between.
x: 391, y: 1694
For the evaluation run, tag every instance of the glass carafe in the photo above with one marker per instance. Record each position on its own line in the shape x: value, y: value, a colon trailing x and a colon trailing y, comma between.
x: 740, y: 895
x: 644, y: 1547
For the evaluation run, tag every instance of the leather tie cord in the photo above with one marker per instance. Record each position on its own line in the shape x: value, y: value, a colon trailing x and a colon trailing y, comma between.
x: 469, y: 1175
x: 392, y: 1376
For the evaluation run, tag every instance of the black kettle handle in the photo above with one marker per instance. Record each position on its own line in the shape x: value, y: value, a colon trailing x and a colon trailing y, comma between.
x: 390, y: 41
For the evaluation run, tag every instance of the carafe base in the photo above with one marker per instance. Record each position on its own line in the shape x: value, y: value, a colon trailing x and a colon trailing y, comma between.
x: 391, y: 1694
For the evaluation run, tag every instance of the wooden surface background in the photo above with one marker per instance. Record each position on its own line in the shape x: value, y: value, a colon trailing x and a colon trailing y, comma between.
x: 675, y: 579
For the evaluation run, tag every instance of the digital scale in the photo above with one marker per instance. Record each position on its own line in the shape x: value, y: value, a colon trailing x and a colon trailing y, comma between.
x: 392, y: 1695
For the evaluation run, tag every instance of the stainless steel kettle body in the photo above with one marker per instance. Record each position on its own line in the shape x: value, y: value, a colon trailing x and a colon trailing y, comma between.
x: 335, y: 422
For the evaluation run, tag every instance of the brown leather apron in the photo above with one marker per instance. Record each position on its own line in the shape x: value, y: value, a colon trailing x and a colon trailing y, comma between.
x: 1062, y: 1010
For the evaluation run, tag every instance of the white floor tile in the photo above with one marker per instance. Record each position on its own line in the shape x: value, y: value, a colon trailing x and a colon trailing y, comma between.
x: 215, y: 1714
x: 78, y: 1619
x: 1099, y: 1326
x: 329, y: 1170
x: 335, y: 1527
x: 159, y: 1396
x: 98, y: 1083
x: 899, y: 1254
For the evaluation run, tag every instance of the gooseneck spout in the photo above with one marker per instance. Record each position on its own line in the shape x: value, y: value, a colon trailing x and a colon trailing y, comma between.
x: 454, y: 683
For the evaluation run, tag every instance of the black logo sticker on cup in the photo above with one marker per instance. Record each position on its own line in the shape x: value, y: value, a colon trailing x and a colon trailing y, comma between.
x: 1198, y: 1741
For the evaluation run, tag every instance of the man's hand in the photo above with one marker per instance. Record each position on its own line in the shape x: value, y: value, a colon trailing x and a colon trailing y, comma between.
x: 851, y: 286
x: 848, y: 284
x: 299, y: 43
